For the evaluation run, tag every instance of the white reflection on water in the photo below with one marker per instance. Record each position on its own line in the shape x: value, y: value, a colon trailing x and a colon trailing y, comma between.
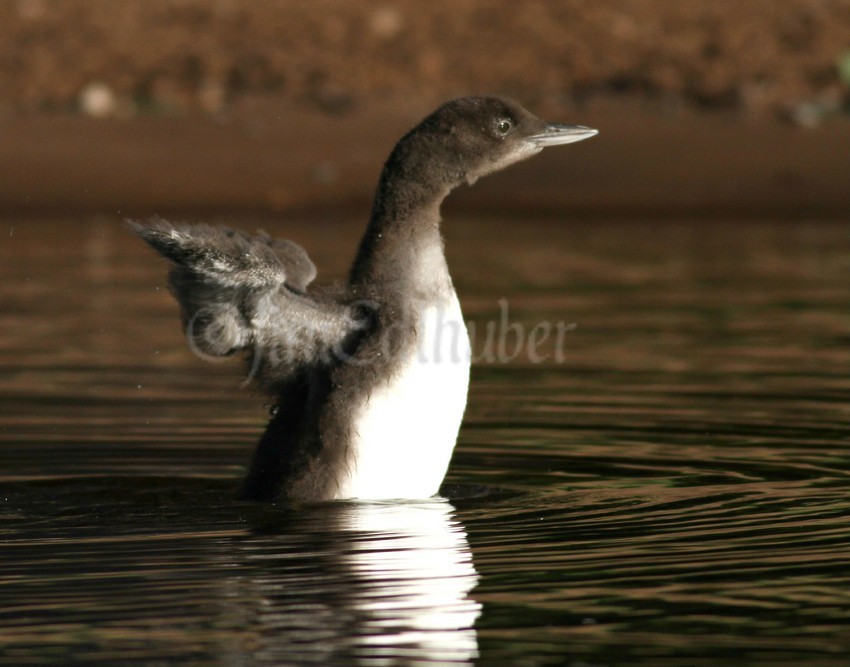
x: 416, y: 559
x: 357, y: 583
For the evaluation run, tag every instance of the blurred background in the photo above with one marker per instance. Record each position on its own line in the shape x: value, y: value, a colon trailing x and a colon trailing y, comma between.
x: 672, y: 491
x: 729, y: 106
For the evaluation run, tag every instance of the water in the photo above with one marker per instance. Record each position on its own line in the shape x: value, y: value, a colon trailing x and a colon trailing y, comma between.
x: 670, y: 487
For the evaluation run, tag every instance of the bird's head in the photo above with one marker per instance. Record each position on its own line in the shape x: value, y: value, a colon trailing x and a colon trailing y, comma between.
x: 471, y: 137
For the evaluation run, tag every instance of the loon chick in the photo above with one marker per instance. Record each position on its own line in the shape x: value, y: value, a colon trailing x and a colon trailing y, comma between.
x: 370, y: 380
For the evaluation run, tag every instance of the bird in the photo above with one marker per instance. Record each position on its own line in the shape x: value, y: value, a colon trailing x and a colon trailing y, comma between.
x: 369, y: 379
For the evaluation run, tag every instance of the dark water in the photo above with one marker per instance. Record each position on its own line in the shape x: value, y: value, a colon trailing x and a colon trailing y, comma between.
x: 670, y: 487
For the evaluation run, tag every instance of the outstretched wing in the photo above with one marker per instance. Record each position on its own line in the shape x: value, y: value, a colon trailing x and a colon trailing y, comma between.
x: 242, y: 292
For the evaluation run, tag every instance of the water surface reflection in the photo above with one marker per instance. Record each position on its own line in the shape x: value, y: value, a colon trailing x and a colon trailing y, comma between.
x: 341, y: 583
x: 357, y: 584
x: 674, y: 492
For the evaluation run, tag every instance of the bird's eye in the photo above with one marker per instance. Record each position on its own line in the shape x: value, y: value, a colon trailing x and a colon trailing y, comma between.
x: 504, y: 126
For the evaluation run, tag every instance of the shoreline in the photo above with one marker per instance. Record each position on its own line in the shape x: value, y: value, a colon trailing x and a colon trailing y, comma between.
x: 275, y: 159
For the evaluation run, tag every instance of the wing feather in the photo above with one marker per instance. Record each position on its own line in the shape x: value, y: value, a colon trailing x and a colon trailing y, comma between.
x: 241, y: 292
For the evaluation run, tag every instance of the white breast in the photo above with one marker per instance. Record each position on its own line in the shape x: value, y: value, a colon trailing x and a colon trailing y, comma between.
x: 404, y: 433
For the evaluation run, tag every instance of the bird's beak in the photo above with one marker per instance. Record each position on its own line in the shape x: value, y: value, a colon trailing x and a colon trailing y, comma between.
x: 554, y: 134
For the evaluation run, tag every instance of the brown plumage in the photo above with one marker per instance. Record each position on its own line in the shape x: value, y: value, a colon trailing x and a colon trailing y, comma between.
x: 334, y: 360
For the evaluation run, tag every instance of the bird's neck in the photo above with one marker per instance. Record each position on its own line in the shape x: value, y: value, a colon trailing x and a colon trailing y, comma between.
x: 402, y: 249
